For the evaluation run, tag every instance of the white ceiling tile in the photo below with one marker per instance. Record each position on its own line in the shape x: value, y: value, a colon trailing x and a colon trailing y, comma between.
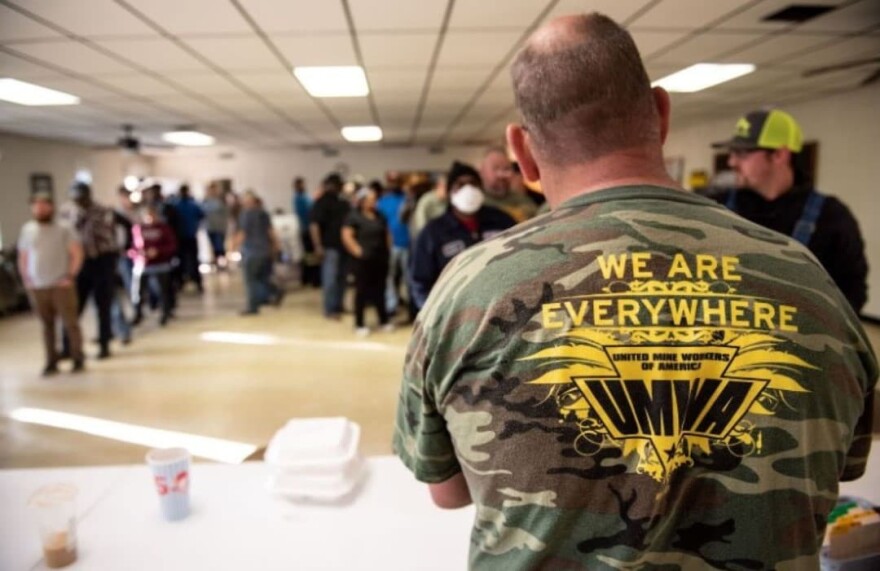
x: 855, y: 17
x: 705, y: 48
x: 451, y: 79
x: 265, y: 82
x: 751, y: 18
x: 650, y: 41
x: 397, y: 118
x: 397, y: 49
x: 193, y: 16
x: 476, y: 49
x: 762, y: 79
x: 274, y: 16
x: 451, y: 99
x: 16, y: 27
x: 396, y: 15
x: 837, y: 53
x: 73, y: 56
x: 82, y: 89
x: 777, y: 48
x: 617, y: 10
x: 156, y: 53
x: 483, y: 14
x: 396, y: 80
x: 14, y: 66
x: 235, y: 54
x: 205, y: 83
x: 290, y: 102
x: 97, y: 18
x: 333, y: 49
x: 139, y: 84
x: 687, y: 13
x: 350, y: 110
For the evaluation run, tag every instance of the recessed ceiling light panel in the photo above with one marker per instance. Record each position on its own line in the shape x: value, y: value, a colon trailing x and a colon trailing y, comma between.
x: 333, y: 81
x: 25, y: 93
x: 188, y: 138
x: 702, y: 76
x: 362, y: 133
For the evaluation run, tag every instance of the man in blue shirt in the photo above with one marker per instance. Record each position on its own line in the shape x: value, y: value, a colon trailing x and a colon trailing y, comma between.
x: 191, y: 215
x: 302, y: 207
x: 390, y: 206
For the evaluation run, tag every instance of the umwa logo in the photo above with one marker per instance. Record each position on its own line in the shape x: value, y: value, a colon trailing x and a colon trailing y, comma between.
x: 663, y: 404
x: 668, y: 360
x: 663, y: 394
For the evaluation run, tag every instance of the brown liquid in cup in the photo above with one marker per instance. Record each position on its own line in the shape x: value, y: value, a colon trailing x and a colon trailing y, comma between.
x: 56, y: 552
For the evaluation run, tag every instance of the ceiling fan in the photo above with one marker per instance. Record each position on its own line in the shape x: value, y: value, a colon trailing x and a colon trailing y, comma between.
x: 852, y: 64
x: 131, y: 144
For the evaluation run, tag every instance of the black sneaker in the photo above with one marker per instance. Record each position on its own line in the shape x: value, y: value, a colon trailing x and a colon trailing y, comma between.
x: 50, y: 369
x: 79, y: 365
x: 105, y: 353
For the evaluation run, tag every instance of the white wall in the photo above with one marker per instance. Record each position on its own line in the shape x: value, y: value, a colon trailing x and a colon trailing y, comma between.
x: 270, y: 172
x: 22, y: 156
x: 847, y: 127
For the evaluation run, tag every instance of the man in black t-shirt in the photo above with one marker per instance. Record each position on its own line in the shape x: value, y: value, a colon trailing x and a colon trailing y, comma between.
x: 325, y: 225
x: 774, y: 191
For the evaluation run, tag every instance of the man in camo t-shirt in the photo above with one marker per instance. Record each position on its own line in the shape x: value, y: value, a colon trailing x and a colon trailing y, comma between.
x: 639, y: 379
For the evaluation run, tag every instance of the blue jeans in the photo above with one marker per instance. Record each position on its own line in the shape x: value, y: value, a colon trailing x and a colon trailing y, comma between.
x: 333, y: 281
x: 121, y: 324
x: 398, y: 262
x: 218, y: 243
x: 258, y: 280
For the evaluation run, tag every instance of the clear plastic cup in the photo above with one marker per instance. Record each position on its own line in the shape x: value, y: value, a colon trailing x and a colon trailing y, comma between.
x: 55, y: 508
x: 170, y: 468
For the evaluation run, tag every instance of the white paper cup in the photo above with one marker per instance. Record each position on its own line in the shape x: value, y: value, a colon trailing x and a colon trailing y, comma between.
x: 170, y: 468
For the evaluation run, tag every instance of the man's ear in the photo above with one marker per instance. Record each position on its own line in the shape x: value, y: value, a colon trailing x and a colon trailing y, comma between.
x: 518, y: 141
x: 782, y: 156
x: 664, y: 110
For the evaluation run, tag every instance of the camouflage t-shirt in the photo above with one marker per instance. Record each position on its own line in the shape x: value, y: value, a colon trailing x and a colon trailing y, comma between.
x: 639, y: 380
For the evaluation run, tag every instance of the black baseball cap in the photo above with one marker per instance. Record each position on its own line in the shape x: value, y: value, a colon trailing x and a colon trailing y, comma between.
x: 765, y: 129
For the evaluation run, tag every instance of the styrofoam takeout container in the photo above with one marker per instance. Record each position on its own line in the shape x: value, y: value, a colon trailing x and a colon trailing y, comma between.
x: 325, y: 488
x: 315, y: 458
x: 314, y: 446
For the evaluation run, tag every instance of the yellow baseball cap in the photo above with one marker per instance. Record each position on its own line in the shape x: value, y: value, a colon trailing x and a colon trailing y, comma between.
x: 765, y: 129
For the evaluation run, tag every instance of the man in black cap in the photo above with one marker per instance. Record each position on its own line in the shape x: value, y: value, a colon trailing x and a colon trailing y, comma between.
x: 774, y: 191
x: 465, y: 223
x: 325, y: 224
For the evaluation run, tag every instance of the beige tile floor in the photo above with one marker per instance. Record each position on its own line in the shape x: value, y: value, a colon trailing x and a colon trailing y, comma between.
x: 174, y: 379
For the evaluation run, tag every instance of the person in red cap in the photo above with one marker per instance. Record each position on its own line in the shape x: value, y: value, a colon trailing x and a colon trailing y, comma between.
x: 774, y: 190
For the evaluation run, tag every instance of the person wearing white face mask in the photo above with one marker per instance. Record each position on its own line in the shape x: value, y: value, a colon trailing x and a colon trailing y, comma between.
x: 465, y: 223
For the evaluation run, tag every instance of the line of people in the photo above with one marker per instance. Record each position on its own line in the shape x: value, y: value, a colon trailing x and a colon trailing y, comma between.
x: 138, y: 254
x: 396, y: 240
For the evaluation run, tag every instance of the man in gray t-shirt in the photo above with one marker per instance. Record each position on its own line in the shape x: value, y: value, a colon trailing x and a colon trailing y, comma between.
x: 256, y: 241
x: 49, y: 258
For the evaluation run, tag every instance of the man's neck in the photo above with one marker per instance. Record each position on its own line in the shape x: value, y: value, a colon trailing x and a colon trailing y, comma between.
x: 462, y: 216
x: 778, y: 187
x: 622, y: 168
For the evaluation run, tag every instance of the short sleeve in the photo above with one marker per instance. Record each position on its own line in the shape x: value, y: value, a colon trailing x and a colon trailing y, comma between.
x: 25, y: 238
x: 316, y: 216
x: 351, y: 220
x: 421, y: 438
x: 69, y: 236
x: 856, y: 460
